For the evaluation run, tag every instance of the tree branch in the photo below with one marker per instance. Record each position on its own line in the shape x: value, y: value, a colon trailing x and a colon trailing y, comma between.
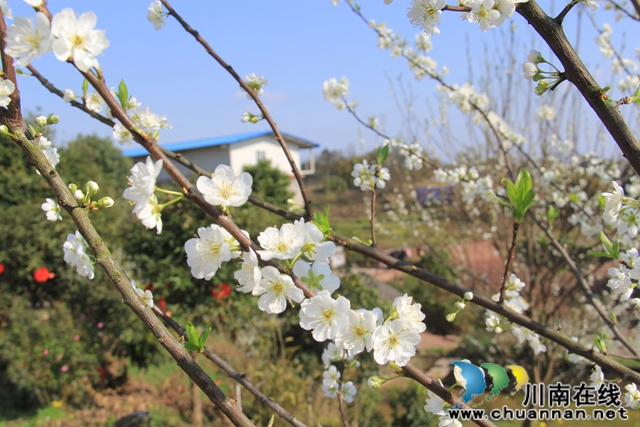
x: 256, y: 99
x: 233, y: 374
x: 576, y: 72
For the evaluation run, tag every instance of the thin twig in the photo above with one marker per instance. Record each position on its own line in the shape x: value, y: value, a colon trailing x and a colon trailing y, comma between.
x: 512, y: 249
x: 372, y: 220
x: 233, y: 374
x: 256, y: 99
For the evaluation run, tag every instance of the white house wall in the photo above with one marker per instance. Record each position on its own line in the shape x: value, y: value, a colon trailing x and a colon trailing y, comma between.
x: 207, y: 158
x: 245, y: 154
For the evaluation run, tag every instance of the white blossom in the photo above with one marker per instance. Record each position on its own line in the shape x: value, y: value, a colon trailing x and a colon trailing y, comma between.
x: 256, y: 83
x: 49, y: 151
x: 69, y: 95
x: 143, y: 183
x: 146, y: 296
x: 394, y: 342
x: 348, y: 391
x: 6, y: 88
x: 150, y: 214
x: 334, y: 91
x: 275, y: 289
x: 52, y: 208
x: 26, y: 42
x: 426, y: 14
x: 76, y: 39
x: 155, y: 14
x: 206, y: 253
x: 94, y: 102
x: 325, y: 316
x: 122, y: 134
x: 359, y: 332
x: 249, y: 275
x: 225, y: 189
x: 317, y: 276
x: 597, y: 377
x: 285, y: 243
x: 409, y: 312
x: 74, y: 254
x: 632, y: 396
x: 34, y: 3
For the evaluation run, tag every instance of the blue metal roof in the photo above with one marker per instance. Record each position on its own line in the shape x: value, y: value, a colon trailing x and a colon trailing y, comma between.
x: 213, y: 142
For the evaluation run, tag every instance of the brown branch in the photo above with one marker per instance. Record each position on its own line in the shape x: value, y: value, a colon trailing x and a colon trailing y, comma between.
x: 410, y: 371
x: 512, y: 249
x: 233, y: 374
x: 256, y: 99
x: 122, y: 283
x: 12, y: 116
x: 576, y: 72
x: 586, y: 289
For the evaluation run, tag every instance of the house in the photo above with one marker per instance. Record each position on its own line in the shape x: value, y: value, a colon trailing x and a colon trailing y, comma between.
x: 239, y: 151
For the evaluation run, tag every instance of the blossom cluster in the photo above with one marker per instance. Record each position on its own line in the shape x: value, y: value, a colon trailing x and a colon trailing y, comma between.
x: 141, y: 193
x: 70, y: 37
x: 76, y: 255
x: 368, y: 177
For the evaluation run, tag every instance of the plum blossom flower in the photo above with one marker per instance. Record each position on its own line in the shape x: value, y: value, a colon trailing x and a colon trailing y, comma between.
x: 52, y: 208
x: 325, y: 316
x: 632, y: 396
x: 613, y: 202
x: 348, y: 391
x: 364, y: 176
x: 317, y: 276
x: 359, y: 333
x: 334, y: 91
x: 6, y: 11
x: 6, y: 88
x: 76, y: 39
x: 224, y: 189
x: 249, y: 275
x: 146, y: 296
x: 314, y: 248
x: 206, y: 253
x: 69, y: 95
x: 434, y: 403
x: 94, y: 102
x: 409, y: 312
x: 394, y: 342
x: 26, y: 42
x: 285, y: 243
x: 274, y: 290
x: 122, y: 134
x: 597, y: 377
x: 34, y: 3
x: 143, y: 183
x: 74, y: 254
x: 256, y: 83
x: 332, y: 353
x: 49, y: 151
x: 146, y: 120
x: 331, y: 376
x: 150, y: 214
x: 155, y: 14
x: 483, y: 14
x: 426, y: 14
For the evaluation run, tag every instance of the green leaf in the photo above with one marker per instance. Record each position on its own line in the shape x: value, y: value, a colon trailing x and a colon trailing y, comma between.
x: 192, y: 335
x: 123, y: 94
x: 273, y: 418
x: 599, y: 254
x: 636, y: 96
x: 85, y: 86
x: 613, y: 249
x: 552, y: 213
x: 203, y: 337
x: 191, y: 347
x: 382, y: 154
x: 322, y: 221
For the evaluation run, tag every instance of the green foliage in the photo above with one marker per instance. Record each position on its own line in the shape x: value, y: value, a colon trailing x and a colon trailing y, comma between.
x: 382, y: 154
x: 334, y: 184
x: 196, y: 342
x: 408, y: 406
x: 612, y: 249
x: 41, y: 357
x: 520, y: 195
x: 78, y: 305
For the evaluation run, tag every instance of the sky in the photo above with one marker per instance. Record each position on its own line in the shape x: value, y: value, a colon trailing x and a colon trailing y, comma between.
x: 295, y: 44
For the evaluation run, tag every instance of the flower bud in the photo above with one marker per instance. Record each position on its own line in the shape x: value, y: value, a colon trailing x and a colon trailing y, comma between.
x: 41, y: 121
x: 468, y: 296
x: 92, y: 188
x: 498, y: 330
x: 73, y: 187
x: 105, y: 202
x: 460, y: 305
x: 53, y: 119
x: 78, y: 195
x: 451, y: 317
x: 4, y: 130
x: 375, y: 382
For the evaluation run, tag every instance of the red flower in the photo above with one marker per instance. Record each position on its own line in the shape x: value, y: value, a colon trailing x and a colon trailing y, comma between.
x: 1, y: 268
x: 222, y: 292
x: 161, y: 303
x: 149, y: 287
x: 42, y: 275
